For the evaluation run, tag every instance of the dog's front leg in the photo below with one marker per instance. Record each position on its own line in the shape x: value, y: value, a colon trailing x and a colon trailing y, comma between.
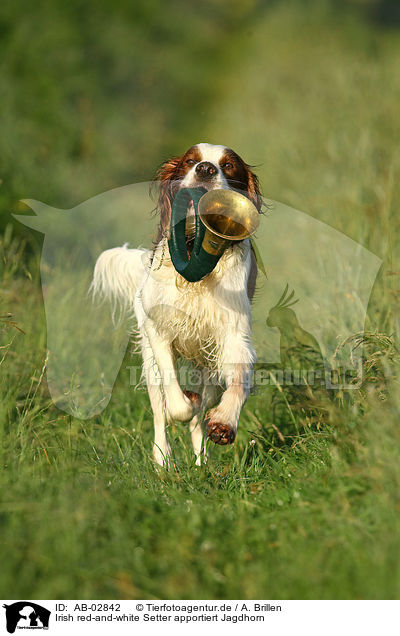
x: 222, y: 421
x: 161, y: 447
x: 178, y: 406
x: 197, y: 424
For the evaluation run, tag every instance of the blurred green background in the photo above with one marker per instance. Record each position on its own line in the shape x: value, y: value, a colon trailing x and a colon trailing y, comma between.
x: 96, y: 94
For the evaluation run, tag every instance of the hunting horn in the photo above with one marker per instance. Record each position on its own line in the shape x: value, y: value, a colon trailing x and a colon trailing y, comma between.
x: 221, y: 218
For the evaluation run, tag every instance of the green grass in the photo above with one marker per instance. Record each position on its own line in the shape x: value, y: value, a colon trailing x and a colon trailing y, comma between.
x: 306, y: 513
x: 304, y: 509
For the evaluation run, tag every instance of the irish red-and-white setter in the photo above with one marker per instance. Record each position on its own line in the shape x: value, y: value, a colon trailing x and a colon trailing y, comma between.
x: 206, y: 322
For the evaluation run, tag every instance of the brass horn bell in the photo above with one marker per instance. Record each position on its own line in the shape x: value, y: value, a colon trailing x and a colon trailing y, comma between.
x: 228, y: 216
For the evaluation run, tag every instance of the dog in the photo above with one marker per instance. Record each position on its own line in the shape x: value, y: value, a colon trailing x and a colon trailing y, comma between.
x: 206, y: 322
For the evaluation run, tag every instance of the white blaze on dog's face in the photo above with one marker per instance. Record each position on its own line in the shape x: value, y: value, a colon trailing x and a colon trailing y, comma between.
x: 213, y: 167
x: 203, y: 165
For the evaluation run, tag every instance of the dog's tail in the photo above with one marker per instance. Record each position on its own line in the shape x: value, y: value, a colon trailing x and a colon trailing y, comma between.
x: 117, y: 274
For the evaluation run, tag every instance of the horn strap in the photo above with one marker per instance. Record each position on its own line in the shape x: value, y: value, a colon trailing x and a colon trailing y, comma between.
x: 201, y: 262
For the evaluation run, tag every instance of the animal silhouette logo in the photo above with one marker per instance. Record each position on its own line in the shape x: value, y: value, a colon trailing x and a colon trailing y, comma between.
x: 331, y: 274
x: 299, y: 349
x: 26, y: 615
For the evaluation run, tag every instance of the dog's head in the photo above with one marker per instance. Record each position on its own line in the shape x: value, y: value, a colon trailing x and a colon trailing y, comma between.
x: 206, y: 165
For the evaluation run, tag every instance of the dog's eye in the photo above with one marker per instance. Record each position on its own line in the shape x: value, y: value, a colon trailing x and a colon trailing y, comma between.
x: 227, y: 165
x: 190, y: 162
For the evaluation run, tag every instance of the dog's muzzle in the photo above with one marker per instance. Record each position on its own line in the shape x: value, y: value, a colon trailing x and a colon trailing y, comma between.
x: 205, y: 170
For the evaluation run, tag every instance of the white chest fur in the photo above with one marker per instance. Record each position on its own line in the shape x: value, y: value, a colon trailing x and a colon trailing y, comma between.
x: 196, y: 317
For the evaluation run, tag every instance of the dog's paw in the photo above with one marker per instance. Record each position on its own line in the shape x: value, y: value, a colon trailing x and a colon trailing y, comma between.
x: 163, y: 457
x: 195, y: 399
x: 179, y: 408
x: 202, y: 458
x: 219, y: 433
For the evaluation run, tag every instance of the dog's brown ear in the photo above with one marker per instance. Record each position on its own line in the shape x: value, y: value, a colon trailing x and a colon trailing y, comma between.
x: 166, y: 177
x: 253, y: 188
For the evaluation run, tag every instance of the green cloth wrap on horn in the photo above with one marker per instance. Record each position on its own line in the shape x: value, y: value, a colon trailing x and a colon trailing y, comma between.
x: 201, y: 262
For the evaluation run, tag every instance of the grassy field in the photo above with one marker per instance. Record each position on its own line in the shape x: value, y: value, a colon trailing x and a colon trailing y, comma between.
x: 298, y: 508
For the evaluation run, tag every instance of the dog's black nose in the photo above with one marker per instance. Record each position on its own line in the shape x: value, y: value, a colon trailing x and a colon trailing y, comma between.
x: 206, y: 170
